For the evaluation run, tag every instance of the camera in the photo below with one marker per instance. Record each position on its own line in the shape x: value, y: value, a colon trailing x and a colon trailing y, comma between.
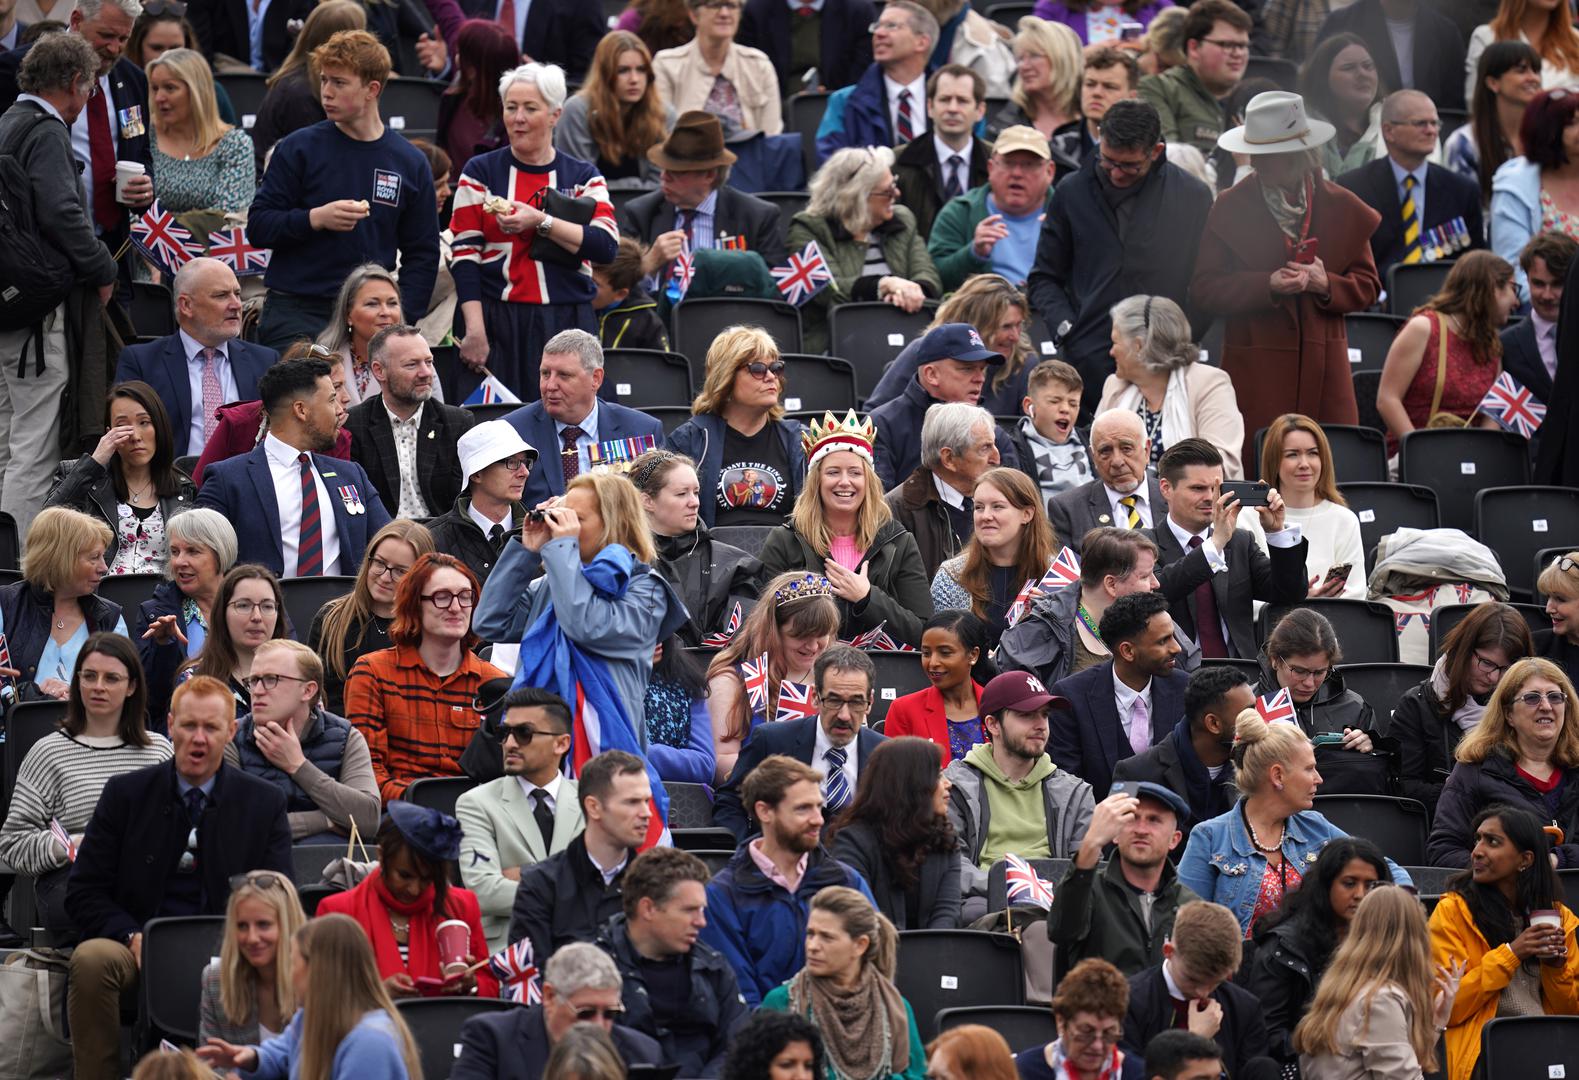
x: 535, y: 515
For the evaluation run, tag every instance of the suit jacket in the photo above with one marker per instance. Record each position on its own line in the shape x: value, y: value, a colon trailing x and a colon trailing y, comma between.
x: 1438, y: 47
x: 162, y: 365
x: 512, y: 1044
x: 439, y: 476
x: 846, y: 43
x: 798, y: 739
x: 128, y: 88
x: 242, y: 488
x: 1242, y: 1034
x: 1447, y: 196
x: 920, y: 176
x: 921, y: 714
x: 563, y: 32
x: 499, y: 833
x: 1521, y: 358
x: 537, y: 428
x: 1089, y: 739
x: 138, y: 834
x: 1075, y: 512
x: 1276, y: 577
x: 736, y: 214
x: 222, y: 27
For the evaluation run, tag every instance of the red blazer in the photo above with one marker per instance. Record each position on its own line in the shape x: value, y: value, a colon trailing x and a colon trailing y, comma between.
x: 921, y: 714
x: 237, y: 433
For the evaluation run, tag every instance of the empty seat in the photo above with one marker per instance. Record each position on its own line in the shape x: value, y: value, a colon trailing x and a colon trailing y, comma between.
x: 1385, y: 508
x: 1008, y: 15
x: 313, y: 895
x: 1516, y: 1047
x: 690, y: 805
x: 819, y: 383
x: 1516, y: 522
x: 304, y: 596
x: 642, y: 377
x: 946, y: 969
x: 1367, y: 630
x: 153, y: 309
x: 1285, y: 73
x: 698, y: 322
x: 1370, y: 335
x: 1022, y: 1026
x: 175, y: 952
x: 805, y: 116
x: 670, y: 416
x: 1447, y: 616
x: 308, y: 861
x: 898, y: 674
x: 1381, y: 685
x: 871, y: 335
x: 438, y: 792
x: 411, y: 106
x: 1411, y: 284
x: 788, y: 203
x: 129, y: 591
x: 1456, y: 461
x: 1397, y: 826
x: 26, y: 724
x: 10, y: 543
x: 435, y: 1025
x: 246, y: 90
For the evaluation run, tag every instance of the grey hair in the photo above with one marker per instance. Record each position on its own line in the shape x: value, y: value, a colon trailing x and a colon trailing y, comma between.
x: 58, y: 63
x: 185, y: 281
x: 948, y: 426
x: 1395, y: 101
x: 1159, y: 326
x: 840, y: 188
x: 577, y: 343
x: 205, y: 528
x: 90, y: 8
x: 580, y: 966
x: 922, y: 22
x: 549, y: 79
x: 336, y: 337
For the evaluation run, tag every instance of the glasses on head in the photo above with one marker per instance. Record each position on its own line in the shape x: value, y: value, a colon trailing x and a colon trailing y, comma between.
x: 188, y: 861
x: 444, y: 599
x: 1230, y: 47
x: 1128, y: 168
x: 519, y: 463
x: 377, y: 568
x: 759, y: 369
x: 1080, y: 1033
x: 1555, y: 698
x: 832, y: 705
x: 611, y: 1013
x: 1567, y: 565
x: 523, y: 734
x: 268, y: 682
x: 246, y: 607
x: 259, y: 879
x: 889, y: 192
x: 1490, y: 666
x: 1319, y: 674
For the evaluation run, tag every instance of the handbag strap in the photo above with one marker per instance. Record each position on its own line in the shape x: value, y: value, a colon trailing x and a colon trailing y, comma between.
x: 1441, y: 364
x: 354, y: 842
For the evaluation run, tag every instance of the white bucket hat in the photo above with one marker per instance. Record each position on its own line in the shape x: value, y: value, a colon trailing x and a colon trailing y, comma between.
x: 488, y: 443
x: 1275, y: 123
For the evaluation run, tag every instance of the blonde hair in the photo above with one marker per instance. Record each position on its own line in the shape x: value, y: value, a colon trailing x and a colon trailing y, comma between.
x: 356, y: 606
x: 191, y: 68
x: 981, y: 302
x: 808, y: 519
x: 624, y: 520
x: 56, y: 540
x: 1065, y: 61
x: 839, y: 190
x: 1557, y: 582
x: 309, y: 665
x: 859, y: 918
x: 343, y: 985
x: 731, y: 350
x: 1495, y: 733
x: 1388, y: 944
x: 238, y: 991
x: 171, y: 1065
x: 1259, y: 745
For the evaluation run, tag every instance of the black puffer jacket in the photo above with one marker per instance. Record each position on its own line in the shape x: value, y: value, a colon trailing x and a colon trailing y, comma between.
x: 1426, y: 742
x: 1287, y: 964
x: 1474, y: 786
x: 710, y: 576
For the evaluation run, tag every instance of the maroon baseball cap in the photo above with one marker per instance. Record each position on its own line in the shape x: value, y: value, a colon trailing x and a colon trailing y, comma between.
x: 1017, y: 690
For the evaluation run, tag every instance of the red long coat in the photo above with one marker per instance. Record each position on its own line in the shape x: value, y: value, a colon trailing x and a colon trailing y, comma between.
x: 1287, y: 353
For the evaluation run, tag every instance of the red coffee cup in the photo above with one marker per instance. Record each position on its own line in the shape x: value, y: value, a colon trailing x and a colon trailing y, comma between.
x: 454, y: 938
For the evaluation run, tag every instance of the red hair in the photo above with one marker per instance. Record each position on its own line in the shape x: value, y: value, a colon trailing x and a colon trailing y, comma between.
x: 1541, y: 130
x: 484, y: 51
x: 406, y: 627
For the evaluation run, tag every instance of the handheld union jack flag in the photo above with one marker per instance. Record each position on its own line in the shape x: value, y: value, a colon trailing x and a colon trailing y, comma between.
x: 7, y: 683
x: 230, y: 247
x: 1025, y: 885
x: 806, y: 275
x: 1063, y: 570
x: 795, y: 701
x: 721, y: 638
x: 58, y: 831
x: 1513, y: 406
x: 877, y: 639
x: 491, y: 391
x: 1277, y: 708
x: 158, y: 236
x: 516, y: 971
x: 1022, y: 602
x: 754, y: 673
x: 684, y: 271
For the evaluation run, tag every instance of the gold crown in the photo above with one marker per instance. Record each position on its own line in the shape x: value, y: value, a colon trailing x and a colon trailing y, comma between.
x: 803, y: 588
x: 852, y: 433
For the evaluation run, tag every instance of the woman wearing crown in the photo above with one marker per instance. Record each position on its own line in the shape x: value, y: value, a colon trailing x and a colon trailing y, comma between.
x: 841, y: 528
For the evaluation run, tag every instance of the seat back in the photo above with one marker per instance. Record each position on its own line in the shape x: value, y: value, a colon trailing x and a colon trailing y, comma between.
x: 1447, y: 616
x: 805, y: 116
x: 246, y: 90
x: 1370, y: 335
x: 492, y: 410
x: 27, y: 723
x: 698, y: 322
x: 748, y: 538
x: 1384, y: 508
x: 898, y: 674
x: 304, y: 596
x: 411, y: 106
x: 1397, y: 826
x: 819, y: 383
x: 308, y: 861
x: 1516, y: 522
x: 715, y: 860
x: 997, y: 885
x: 1022, y: 1026
x: 1459, y: 460
x: 642, y: 377
x: 1534, y: 1047
x: 1368, y: 630
x: 129, y: 591
x: 1411, y: 284
x: 871, y: 335
x: 943, y: 969
x: 1008, y: 15
x: 439, y: 792
x: 313, y: 895
x: 690, y: 805
x: 1381, y: 685
x: 175, y: 952
x: 10, y: 543
x: 435, y: 1025
x: 153, y: 309
x: 670, y: 416
x: 710, y: 838
x: 1285, y: 73
x: 788, y: 203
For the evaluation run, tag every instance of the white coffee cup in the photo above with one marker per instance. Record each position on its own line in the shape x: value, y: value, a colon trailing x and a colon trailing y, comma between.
x: 124, y: 171
x: 1546, y: 917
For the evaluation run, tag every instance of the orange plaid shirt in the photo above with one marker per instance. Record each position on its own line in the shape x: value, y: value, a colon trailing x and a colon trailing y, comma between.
x: 416, y: 723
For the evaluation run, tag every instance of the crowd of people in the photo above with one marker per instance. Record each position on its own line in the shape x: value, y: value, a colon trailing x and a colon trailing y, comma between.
x: 1134, y: 232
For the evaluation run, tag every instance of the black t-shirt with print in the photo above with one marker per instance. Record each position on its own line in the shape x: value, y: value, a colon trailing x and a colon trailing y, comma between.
x: 753, y: 484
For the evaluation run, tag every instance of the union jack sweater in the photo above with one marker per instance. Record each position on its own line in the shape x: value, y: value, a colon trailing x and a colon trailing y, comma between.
x: 488, y: 263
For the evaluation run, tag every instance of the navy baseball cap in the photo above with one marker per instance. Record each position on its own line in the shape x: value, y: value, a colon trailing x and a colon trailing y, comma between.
x: 1146, y: 789
x: 955, y: 341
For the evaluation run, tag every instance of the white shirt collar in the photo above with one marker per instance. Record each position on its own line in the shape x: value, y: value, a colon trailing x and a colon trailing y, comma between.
x: 822, y: 746
x: 194, y: 346
x: 280, y: 454
x: 1139, y: 494
x: 945, y: 151
x: 416, y: 417
x: 1173, y: 988
x: 552, y: 787
x: 947, y: 493
x: 508, y: 521
x: 918, y: 94
x: 1183, y: 537
x: 1126, y: 696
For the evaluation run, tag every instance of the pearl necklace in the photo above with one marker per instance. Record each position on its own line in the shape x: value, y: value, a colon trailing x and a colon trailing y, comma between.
x: 1256, y: 840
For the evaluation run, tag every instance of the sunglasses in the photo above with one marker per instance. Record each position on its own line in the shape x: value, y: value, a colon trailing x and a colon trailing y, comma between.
x: 523, y: 734
x: 759, y: 369
x: 261, y: 879
x: 612, y: 1014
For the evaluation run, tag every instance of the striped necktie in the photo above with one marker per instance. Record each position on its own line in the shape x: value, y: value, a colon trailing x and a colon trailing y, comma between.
x: 906, y: 128
x: 836, y: 789
x: 309, y: 544
x: 1133, y: 520
x: 1412, y: 252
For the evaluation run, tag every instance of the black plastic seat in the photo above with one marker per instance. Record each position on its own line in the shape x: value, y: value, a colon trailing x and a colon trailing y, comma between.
x: 698, y: 322
x: 1022, y: 1026
x: 1397, y: 826
x: 1411, y: 284
x: 304, y: 596
x: 804, y: 114
x: 670, y: 416
x: 1456, y: 461
x: 1515, y: 1047
x: 1370, y: 335
x: 129, y: 591
x: 246, y: 90
x: 898, y: 674
x: 1516, y: 522
x: 1381, y: 685
x: 439, y: 792
x: 175, y: 952
x: 1285, y: 73
x: 27, y: 723
x: 748, y: 538
x: 641, y: 377
x: 1447, y: 616
x: 313, y: 895
x: 153, y: 309
x: 493, y: 410
x: 946, y: 969
x: 690, y: 805
x: 411, y: 106
x: 819, y: 383
x: 435, y: 1025
x: 711, y: 838
x: 871, y: 335
x: 788, y: 203
x: 1367, y: 630
x: 1384, y: 508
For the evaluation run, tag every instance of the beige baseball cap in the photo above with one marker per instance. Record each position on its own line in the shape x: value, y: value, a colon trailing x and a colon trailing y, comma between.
x: 1022, y: 137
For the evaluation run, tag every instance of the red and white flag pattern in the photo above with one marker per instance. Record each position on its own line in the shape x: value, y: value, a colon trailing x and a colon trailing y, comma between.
x: 516, y: 971
x: 231, y: 247
x: 1025, y: 885
x: 1513, y: 406
x: 58, y: 831
x: 806, y: 275
x: 1277, y: 708
x: 719, y: 639
x: 795, y: 701
x: 159, y: 236
x: 754, y: 673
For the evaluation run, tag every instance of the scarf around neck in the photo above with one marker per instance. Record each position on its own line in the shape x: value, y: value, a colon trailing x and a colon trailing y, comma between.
x: 373, y: 903
x: 1469, y: 713
x: 1288, y: 213
x: 864, y: 1028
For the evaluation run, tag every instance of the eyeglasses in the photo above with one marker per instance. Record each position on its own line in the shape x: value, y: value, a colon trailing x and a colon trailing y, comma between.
x: 269, y: 682
x: 1128, y: 168
x: 1567, y: 565
x: 1319, y: 674
x: 832, y: 706
x: 1555, y: 698
x: 1230, y: 47
x: 611, y: 1013
x: 523, y: 734
x: 377, y: 568
x: 759, y: 369
x: 518, y: 463
x: 1490, y: 666
x: 889, y: 192
x: 444, y: 599
x: 246, y: 607
x: 188, y: 861
x: 261, y: 879
x: 1085, y: 1035
x: 719, y: 5
x: 101, y: 678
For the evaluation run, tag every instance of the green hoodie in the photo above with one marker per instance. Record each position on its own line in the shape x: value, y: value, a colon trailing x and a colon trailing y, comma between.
x: 1019, y: 809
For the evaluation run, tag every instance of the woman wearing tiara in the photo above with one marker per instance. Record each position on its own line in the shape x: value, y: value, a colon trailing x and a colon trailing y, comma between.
x: 841, y: 528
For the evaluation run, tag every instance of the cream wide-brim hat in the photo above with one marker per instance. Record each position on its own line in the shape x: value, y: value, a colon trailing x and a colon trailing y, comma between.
x: 1276, y: 123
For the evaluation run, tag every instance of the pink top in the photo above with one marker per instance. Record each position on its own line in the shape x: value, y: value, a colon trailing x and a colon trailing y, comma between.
x: 771, y: 871
x: 842, y: 550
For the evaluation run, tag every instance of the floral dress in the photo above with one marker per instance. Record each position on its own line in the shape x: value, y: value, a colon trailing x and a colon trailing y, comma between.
x: 224, y: 179
x: 142, y: 546
x: 1554, y: 219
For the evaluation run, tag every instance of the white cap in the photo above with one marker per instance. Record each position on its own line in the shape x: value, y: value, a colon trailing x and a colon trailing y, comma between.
x: 488, y: 443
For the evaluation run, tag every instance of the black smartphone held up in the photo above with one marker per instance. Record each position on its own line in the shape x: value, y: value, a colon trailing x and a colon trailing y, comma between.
x: 1250, y: 493
x: 1125, y: 787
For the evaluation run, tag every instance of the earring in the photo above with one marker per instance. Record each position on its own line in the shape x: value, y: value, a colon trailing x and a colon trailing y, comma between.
x: 1277, y: 785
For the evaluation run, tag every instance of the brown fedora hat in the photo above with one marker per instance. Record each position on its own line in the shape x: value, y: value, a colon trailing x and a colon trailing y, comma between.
x: 696, y: 143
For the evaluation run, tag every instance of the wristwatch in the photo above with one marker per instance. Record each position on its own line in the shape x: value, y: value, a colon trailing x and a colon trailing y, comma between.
x: 546, y: 224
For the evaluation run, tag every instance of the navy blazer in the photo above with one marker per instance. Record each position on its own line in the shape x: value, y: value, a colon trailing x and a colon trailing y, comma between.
x: 138, y: 834
x: 1447, y: 196
x: 222, y: 26
x: 1090, y: 739
x: 563, y: 32
x: 242, y: 488
x: 512, y: 1044
x: 797, y: 739
x: 537, y: 428
x: 162, y: 365
x: 1521, y: 358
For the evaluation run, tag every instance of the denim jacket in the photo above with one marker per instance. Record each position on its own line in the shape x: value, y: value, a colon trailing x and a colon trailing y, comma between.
x: 1221, y: 864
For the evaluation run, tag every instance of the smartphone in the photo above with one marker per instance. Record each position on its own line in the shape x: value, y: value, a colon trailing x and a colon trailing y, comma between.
x: 428, y: 986
x: 1339, y: 571
x: 1307, y: 250
x: 1125, y: 787
x: 1327, y: 738
x: 1131, y: 31
x: 1249, y: 492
